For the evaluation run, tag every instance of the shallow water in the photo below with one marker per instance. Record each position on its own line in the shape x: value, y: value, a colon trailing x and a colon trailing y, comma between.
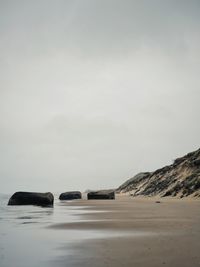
x: 26, y: 240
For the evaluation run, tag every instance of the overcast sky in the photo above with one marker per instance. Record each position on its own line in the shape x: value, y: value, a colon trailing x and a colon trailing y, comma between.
x: 94, y: 91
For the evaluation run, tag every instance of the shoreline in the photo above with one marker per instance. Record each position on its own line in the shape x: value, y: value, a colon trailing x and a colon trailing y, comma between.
x: 135, y: 232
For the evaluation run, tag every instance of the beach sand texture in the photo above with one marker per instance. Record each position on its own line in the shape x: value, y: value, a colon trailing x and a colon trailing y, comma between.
x: 137, y: 232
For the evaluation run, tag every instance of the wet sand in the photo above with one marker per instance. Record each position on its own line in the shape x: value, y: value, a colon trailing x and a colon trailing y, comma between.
x: 135, y: 232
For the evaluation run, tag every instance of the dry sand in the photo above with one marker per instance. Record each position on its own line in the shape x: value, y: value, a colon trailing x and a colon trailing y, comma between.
x: 145, y: 233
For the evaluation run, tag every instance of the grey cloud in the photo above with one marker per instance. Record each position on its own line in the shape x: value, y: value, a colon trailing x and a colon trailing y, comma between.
x: 94, y: 91
x: 96, y: 28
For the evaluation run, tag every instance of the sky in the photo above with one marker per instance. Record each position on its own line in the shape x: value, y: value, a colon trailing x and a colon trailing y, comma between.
x: 94, y: 91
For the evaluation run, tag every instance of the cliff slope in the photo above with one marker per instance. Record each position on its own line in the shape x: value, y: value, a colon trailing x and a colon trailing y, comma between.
x: 181, y: 179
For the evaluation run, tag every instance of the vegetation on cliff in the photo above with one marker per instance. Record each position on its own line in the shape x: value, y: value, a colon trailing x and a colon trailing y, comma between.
x: 181, y: 179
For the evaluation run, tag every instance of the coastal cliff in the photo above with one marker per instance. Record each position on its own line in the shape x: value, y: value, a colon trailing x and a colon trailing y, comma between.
x: 180, y: 179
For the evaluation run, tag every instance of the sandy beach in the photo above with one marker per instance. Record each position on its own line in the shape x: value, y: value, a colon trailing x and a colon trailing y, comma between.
x: 137, y: 232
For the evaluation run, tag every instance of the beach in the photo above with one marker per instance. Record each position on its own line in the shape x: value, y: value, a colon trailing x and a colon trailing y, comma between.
x: 126, y: 231
x: 135, y: 232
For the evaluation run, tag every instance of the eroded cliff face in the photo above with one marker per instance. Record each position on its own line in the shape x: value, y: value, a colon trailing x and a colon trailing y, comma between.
x: 181, y: 179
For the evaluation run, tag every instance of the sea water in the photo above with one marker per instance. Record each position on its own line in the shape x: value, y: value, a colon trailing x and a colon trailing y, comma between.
x: 25, y: 238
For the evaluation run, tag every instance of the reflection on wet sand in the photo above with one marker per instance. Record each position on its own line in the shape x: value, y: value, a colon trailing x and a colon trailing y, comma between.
x: 124, y: 232
x: 131, y: 232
